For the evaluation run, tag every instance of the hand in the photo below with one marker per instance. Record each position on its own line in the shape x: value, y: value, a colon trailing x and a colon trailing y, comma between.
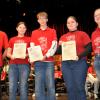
x: 44, y: 57
x: 12, y: 57
x: 31, y: 62
x: 77, y: 58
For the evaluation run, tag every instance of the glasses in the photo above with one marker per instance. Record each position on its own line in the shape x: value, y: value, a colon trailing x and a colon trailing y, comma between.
x: 98, y: 15
x: 42, y: 18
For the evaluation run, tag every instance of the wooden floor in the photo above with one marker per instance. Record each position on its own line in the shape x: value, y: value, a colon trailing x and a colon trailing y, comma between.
x: 60, y: 97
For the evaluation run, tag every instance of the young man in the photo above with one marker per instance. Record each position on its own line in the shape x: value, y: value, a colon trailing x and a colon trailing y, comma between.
x: 3, y: 45
x: 46, y: 38
x: 96, y: 42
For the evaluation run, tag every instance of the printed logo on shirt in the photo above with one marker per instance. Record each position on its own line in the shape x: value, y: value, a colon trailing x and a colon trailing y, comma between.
x: 70, y: 38
x: 43, y: 43
x: 20, y: 41
x: 97, y: 44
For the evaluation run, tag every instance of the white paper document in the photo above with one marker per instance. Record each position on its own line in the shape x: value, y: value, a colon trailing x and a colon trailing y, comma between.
x: 19, y: 50
x: 35, y: 53
x: 69, y: 50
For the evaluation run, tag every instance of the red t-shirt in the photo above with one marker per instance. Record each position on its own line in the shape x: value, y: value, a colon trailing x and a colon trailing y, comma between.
x: 3, y: 44
x: 44, y: 38
x: 19, y: 40
x: 80, y: 37
x: 96, y: 41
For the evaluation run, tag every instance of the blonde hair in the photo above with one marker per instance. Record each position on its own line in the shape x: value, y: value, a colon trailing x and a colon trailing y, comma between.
x: 42, y: 14
x: 96, y: 10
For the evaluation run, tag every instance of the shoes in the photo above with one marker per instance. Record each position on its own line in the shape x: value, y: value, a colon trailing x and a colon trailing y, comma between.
x: 57, y: 94
x: 33, y: 95
x: 89, y: 95
x: 96, y: 97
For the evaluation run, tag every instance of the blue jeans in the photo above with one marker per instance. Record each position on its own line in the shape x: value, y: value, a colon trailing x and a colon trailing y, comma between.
x: 97, y: 65
x: 18, y: 73
x: 44, y: 81
x: 74, y: 74
x: 0, y: 84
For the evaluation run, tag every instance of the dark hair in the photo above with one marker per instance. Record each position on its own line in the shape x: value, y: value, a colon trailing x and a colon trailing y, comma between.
x: 21, y: 22
x: 73, y: 18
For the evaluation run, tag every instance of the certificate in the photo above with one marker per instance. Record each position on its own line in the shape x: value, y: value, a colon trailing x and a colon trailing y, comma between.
x: 19, y: 50
x: 35, y: 53
x: 69, y: 50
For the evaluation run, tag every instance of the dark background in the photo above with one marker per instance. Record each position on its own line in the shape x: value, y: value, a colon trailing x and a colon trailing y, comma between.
x: 12, y: 11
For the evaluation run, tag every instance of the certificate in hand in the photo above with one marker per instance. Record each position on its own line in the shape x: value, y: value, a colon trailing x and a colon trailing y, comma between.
x: 35, y: 53
x: 19, y: 50
x: 69, y: 50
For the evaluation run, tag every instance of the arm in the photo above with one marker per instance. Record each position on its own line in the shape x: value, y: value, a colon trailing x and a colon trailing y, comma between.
x: 4, y: 54
x: 32, y: 44
x: 59, y: 50
x: 9, y: 55
x: 53, y: 49
x: 88, y: 49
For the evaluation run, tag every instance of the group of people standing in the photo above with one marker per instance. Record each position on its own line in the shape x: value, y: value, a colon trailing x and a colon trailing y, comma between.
x: 74, y: 71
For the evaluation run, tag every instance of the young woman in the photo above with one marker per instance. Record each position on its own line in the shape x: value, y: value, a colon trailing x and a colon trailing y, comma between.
x: 19, y: 68
x: 75, y: 70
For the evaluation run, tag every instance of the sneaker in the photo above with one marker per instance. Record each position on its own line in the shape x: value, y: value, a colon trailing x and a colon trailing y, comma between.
x: 33, y: 95
x: 57, y: 94
x: 95, y: 96
x: 89, y: 95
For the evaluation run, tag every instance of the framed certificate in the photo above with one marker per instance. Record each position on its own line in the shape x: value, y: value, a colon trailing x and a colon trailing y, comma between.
x: 19, y: 50
x: 35, y: 53
x: 69, y: 50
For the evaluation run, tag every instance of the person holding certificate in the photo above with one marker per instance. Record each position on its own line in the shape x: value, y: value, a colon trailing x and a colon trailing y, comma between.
x: 44, y: 37
x: 3, y: 45
x: 19, y: 68
x: 96, y: 42
x: 75, y: 46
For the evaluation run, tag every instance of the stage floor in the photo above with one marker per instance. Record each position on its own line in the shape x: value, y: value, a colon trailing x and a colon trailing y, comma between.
x: 60, y: 97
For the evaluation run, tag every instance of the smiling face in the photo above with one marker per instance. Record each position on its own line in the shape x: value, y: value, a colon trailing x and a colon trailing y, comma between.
x: 72, y: 23
x: 97, y: 16
x: 21, y: 28
x: 42, y: 18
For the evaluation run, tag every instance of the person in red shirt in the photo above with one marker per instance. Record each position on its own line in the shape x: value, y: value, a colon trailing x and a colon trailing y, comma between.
x: 19, y: 68
x: 96, y: 42
x: 46, y: 38
x: 74, y: 69
x: 3, y: 45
